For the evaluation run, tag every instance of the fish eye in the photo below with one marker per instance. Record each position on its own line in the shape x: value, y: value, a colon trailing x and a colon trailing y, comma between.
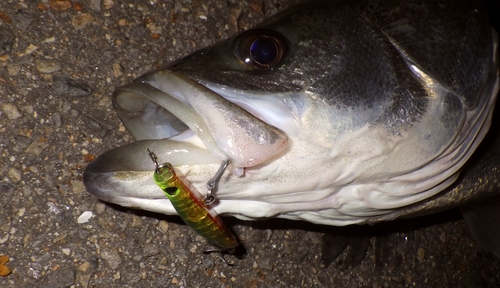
x: 171, y: 190
x: 261, y: 49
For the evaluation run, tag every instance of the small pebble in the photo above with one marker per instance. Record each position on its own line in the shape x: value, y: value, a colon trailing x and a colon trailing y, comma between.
x: 81, y: 21
x: 95, y: 5
x: 27, y: 240
x: 66, y: 251
x: 107, y: 4
x: 117, y: 70
x: 122, y: 22
x: 47, y: 66
x: 36, y: 147
x: 266, y: 264
x: 420, y: 254
x: 85, y: 217
x: 136, y: 221
x: 30, y: 49
x: 111, y: 257
x: 49, y: 40
x: 60, y: 5
x: 14, y: 175
x: 193, y: 248
x: 13, y: 70
x: 163, y: 225
x: 28, y: 109
x: 11, y: 111
x: 150, y: 249
x: 84, y: 267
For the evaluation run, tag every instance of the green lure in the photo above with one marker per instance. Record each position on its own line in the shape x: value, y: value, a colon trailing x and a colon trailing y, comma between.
x: 191, y: 208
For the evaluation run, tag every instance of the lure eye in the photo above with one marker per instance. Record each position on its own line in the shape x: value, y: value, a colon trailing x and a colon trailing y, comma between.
x: 171, y: 190
x: 261, y: 49
x: 165, y: 172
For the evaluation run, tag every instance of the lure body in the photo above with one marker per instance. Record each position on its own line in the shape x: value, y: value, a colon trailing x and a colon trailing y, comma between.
x: 192, y: 209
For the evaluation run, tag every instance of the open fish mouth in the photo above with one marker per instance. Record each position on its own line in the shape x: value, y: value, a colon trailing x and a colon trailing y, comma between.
x: 169, y: 105
x: 194, y: 129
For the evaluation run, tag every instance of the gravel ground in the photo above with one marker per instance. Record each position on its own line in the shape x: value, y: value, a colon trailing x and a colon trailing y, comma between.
x: 60, y: 60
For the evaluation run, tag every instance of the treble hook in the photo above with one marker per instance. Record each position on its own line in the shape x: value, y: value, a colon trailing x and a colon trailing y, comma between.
x: 154, y: 158
x: 212, y: 183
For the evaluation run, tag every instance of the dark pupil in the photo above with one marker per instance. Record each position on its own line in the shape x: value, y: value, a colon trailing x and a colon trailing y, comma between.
x: 264, y: 51
x: 171, y: 190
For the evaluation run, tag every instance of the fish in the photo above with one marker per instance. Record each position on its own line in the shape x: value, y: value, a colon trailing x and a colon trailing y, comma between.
x: 330, y: 112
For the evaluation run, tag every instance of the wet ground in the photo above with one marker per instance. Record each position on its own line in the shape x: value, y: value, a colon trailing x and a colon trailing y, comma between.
x: 60, y: 60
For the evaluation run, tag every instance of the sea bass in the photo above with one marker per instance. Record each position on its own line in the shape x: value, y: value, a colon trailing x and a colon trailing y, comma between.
x: 332, y: 112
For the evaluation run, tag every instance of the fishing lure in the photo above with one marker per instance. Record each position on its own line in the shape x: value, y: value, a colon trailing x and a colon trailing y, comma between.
x: 191, y: 208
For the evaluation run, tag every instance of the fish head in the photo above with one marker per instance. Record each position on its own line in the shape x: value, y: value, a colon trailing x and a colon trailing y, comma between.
x: 331, y: 112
